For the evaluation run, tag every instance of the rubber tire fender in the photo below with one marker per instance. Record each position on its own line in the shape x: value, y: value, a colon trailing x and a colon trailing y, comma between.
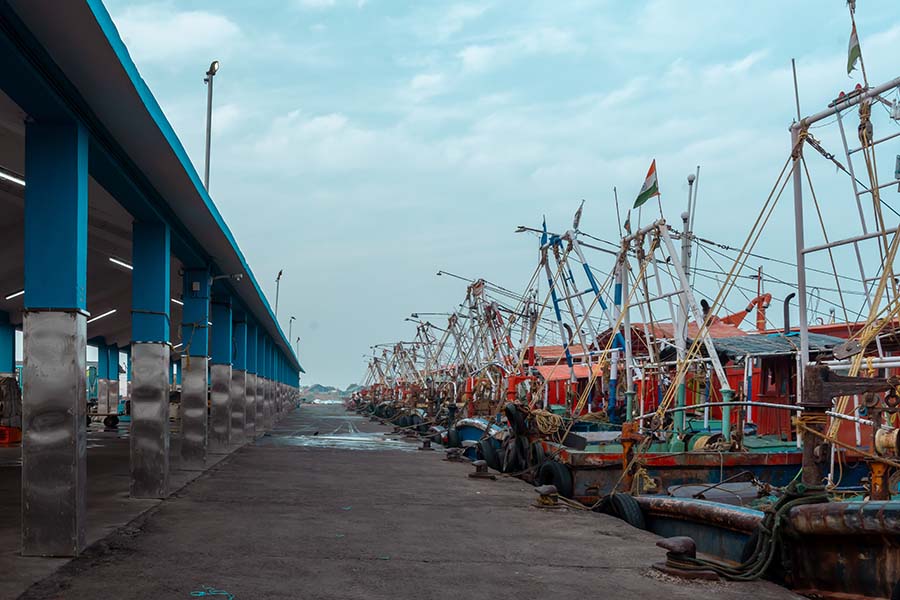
x: 536, y: 456
x: 488, y: 453
x: 415, y: 421
x: 557, y: 475
x: 515, y: 454
x: 515, y: 418
x: 453, y: 438
x: 627, y: 508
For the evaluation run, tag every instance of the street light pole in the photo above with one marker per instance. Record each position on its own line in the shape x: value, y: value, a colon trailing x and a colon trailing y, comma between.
x: 291, y: 326
x: 277, y: 289
x: 213, y: 68
x: 298, y: 348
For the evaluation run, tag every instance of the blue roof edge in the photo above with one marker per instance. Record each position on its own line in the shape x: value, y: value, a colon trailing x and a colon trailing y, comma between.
x: 105, y: 22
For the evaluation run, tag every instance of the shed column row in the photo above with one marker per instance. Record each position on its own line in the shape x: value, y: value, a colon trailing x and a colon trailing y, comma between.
x: 150, y: 360
x: 54, y: 439
x: 260, y: 380
x: 252, y: 357
x: 220, y: 374
x: 194, y: 366
x: 239, y: 380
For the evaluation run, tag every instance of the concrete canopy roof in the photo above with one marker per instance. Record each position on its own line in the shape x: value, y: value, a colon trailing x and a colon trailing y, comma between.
x: 70, y: 60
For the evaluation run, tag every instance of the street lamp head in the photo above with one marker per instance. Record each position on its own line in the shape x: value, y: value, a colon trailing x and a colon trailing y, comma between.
x: 213, y: 68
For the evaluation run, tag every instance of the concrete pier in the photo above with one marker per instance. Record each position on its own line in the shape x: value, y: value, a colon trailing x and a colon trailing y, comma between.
x: 352, y: 513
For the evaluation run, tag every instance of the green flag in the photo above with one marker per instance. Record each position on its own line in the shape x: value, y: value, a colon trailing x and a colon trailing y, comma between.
x: 650, y: 187
x: 853, y: 51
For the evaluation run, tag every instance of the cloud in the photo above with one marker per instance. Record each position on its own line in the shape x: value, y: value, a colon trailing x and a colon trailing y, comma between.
x: 426, y: 85
x: 315, y: 4
x: 156, y: 33
x: 540, y: 41
x: 455, y: 18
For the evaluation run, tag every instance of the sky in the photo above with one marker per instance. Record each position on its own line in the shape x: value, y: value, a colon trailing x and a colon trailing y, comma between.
x: 363, y: 145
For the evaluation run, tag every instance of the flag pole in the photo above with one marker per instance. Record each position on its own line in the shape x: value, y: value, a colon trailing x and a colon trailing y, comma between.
x: 862, y: 64
x: 618, y: 216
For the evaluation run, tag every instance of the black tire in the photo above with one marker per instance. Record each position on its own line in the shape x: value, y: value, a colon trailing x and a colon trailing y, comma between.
x: 487, y: 453
x: 111, y: 421
x: 557, y: 475
x: 419, y: 424
x: 515, y: 418
x: 453, y: 438
x: 536, y: 456
x: 404, y: 421
x: 509, y: 459
x: 627, y: 508
x: 515, y: 454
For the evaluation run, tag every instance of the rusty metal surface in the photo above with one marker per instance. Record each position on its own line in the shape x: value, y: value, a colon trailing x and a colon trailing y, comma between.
x: 847, y: 518
x: 733, y: 518
x: 54, y: 438
x: 848, y: 549
x: 719, y: 531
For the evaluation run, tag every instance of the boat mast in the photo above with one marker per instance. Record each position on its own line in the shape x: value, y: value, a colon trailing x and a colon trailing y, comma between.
x: 798, y: 130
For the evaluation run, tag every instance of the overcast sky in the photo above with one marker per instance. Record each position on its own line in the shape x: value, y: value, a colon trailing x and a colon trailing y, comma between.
x: 362, y: 145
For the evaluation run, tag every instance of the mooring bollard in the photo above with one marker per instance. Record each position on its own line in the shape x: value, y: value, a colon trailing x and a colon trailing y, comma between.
x: 481, y: 470
x: 548, y: 498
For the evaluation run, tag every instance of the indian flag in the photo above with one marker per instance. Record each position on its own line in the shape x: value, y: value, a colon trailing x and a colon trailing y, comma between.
x: 853, y: 51
x: 650, y: 187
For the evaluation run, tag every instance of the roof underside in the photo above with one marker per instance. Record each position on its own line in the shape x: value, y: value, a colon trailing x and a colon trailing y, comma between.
x: 77, y: 59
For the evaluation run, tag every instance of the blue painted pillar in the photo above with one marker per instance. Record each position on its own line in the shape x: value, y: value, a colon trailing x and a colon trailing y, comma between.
x: 54, y: 470
x: 250, y: 408
x: 270, y: 385
x: 238, y: 377
x: 102, y: 375
x: 220, y: 374
x: 195, y: 366
x: 151, y: 357
x: 279, y: 381
x: 7, y: 346
x: 112, y: 407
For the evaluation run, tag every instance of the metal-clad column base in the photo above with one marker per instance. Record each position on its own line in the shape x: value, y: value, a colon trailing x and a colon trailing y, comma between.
x: 54, y: 438
x: 102, y: 396
x: 238, y: 405
x: 194, y: 392
x: 270, y: 403
x: 113, y: 397
x: 260, y: 403
x: 220, y: 406
x: 278, y: 400
x: 250, y: 407
x: 150, y: 420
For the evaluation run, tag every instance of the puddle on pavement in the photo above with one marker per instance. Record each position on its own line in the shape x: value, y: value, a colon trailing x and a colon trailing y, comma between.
x: 346, y: 436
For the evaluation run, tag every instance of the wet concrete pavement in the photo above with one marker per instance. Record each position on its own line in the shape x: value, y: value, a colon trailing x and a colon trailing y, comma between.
x: 109, y: 505
x: 327, y: 506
